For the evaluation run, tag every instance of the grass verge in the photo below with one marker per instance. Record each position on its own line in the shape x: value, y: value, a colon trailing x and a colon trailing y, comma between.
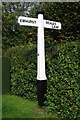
x: 17, y: 107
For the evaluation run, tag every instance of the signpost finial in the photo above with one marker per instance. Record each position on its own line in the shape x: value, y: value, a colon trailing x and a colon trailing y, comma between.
x: 40, y: 11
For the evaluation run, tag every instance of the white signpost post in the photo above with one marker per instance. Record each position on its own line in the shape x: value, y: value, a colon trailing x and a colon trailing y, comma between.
x: 41, y: 24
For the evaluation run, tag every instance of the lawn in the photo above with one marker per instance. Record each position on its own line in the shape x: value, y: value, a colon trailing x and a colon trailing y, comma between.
x: 0, y: 107
x: 17, y: 107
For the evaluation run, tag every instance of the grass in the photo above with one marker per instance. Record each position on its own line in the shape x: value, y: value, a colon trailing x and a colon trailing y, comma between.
x: 0, y: 107
x: 17, y: 107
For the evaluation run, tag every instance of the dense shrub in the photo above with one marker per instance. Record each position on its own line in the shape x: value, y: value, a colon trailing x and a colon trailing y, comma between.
x: 63, y: 73
x: 23, y: 70
x: 63, y: 93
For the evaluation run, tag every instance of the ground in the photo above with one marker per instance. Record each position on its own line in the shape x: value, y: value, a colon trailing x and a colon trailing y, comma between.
x: 17, y: 107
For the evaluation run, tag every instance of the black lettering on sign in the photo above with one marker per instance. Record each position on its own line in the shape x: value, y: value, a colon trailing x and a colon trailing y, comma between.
x: 54, y: 23
x: 24, y: 20
x: 50, y: 22
x: 53, y: 26
x: 21, y: 20
x: 47, y: 22
x: 57, y: 26
x: 28, y: 21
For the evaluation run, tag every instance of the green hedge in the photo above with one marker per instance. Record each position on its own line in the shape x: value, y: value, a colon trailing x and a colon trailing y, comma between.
x: 23, y: 70
x: 63, y: 73
x: 63, y: 93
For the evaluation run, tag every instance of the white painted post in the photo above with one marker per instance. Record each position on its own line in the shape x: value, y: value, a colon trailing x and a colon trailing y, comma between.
x: 41, y: 74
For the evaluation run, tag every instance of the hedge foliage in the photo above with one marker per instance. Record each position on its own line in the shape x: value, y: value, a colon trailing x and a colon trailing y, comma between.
x: 63, y: 73
x: 63, y: 93
x: 23, y: 70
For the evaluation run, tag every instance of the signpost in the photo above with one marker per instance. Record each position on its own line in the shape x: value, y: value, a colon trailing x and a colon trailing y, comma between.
x: 41, y: 73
